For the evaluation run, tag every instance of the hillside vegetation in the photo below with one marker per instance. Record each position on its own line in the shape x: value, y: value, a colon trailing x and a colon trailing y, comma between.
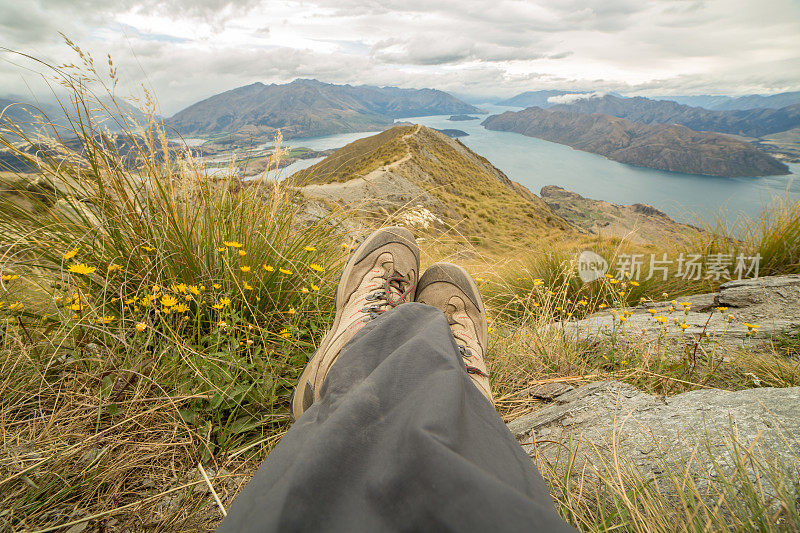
x: 462, y: 191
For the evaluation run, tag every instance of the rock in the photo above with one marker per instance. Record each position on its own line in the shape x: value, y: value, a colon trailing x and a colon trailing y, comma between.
x: 548, y: 391
x: 773, y: 291
x: 77, y: 528
x: 697, y: 430
x: 638, y: 223
x: 768, y: 302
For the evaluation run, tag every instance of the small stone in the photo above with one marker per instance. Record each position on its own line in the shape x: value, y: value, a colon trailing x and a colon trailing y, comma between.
x: 77, y: 528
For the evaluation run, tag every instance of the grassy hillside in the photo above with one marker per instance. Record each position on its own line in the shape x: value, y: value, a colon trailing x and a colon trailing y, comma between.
x: 474, y: 199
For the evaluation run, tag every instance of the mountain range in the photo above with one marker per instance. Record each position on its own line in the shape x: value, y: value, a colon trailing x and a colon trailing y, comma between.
x: 306, y: 108
x: 750, y: 101
x: 669, y: 147
x: 749, y: 122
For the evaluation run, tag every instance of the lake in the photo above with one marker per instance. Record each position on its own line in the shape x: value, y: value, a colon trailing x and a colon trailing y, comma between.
x: 536, y: 163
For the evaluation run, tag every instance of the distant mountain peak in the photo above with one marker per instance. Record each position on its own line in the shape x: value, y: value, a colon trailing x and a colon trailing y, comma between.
x: 306, y: 107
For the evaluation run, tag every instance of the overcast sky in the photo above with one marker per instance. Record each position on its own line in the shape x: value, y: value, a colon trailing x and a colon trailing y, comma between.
x: 186, y: 50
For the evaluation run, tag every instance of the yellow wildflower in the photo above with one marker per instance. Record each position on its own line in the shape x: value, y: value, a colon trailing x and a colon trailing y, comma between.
x: 623, y: 318
x: 314, y: 287
x: 685, y: 304
x: 232, y: 244
x: 113, y: 266
x: 285, y: 271
x: 268, y: 268
x: 193, y: 289
x: 222, y: 324
x: 310, y: 248
x: 635, y: 283
x: 168, y: 301
x: 314, y: 266
x: 141, y: 326
x: 244, y: 268
x: 304, y: 290
x: 72, y: 253
x: 285, y: 333
x: 292, y: 311
x: 602, y: 306
x: 613, y: 281
x: 225, y: 301
x: 722, y: 309
x: 145, y: 301
x: 180, y: 308
x: 609, y: 276
x: 221, y: 249
x: 217, y: 306
x: 684, y: 326
x: 9, y: 277
x: 750, y: 326
x: 81, y: 268
x: 538, y: 282
x: 242, y: 253
x: 217, y: 286
x: 247, y: 286
x: 652, y: 311
x: 106, y: 319
x: 148, y: 249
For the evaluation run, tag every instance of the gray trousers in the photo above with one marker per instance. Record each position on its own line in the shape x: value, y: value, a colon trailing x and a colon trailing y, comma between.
x: 401, y: 440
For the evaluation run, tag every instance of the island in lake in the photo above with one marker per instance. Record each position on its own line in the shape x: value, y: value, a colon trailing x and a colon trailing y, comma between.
x: 453, y: 134
x: 457, y: 118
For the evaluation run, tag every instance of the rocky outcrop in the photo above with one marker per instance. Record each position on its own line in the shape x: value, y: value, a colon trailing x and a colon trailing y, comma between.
x: 638, y: 223
x: 606, y: 426
x: 768, y: 302
x: 661, y: 146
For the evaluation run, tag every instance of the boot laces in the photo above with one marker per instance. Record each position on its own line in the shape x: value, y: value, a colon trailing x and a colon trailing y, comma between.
x: 394, y: 291
x: 466, y: 353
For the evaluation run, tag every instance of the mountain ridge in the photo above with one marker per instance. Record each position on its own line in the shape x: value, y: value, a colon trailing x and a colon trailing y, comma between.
x: 419, y: 176
x: 307, y: 107
x: 749, y: 123
x: 670, y: 147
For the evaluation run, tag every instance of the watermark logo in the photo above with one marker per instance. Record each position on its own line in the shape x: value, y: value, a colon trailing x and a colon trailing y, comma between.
x: 717, y: 267
x: 591, y: 266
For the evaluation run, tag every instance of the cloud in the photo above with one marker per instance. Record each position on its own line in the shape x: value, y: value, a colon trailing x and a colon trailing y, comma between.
x: 571, y: 98
x: 190, y: 49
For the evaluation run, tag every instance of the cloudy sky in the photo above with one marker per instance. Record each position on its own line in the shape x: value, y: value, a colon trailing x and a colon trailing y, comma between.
x: 186, y: 50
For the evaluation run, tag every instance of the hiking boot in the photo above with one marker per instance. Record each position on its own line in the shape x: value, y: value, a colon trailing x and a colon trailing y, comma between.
x: 381, y: 274
x: 449, y: 288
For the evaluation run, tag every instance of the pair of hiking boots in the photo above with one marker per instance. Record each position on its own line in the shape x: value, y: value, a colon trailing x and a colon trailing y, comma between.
x: 382, y: 274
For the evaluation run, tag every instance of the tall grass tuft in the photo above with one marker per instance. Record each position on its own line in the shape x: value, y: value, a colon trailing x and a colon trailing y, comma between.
x: 175, y: 306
